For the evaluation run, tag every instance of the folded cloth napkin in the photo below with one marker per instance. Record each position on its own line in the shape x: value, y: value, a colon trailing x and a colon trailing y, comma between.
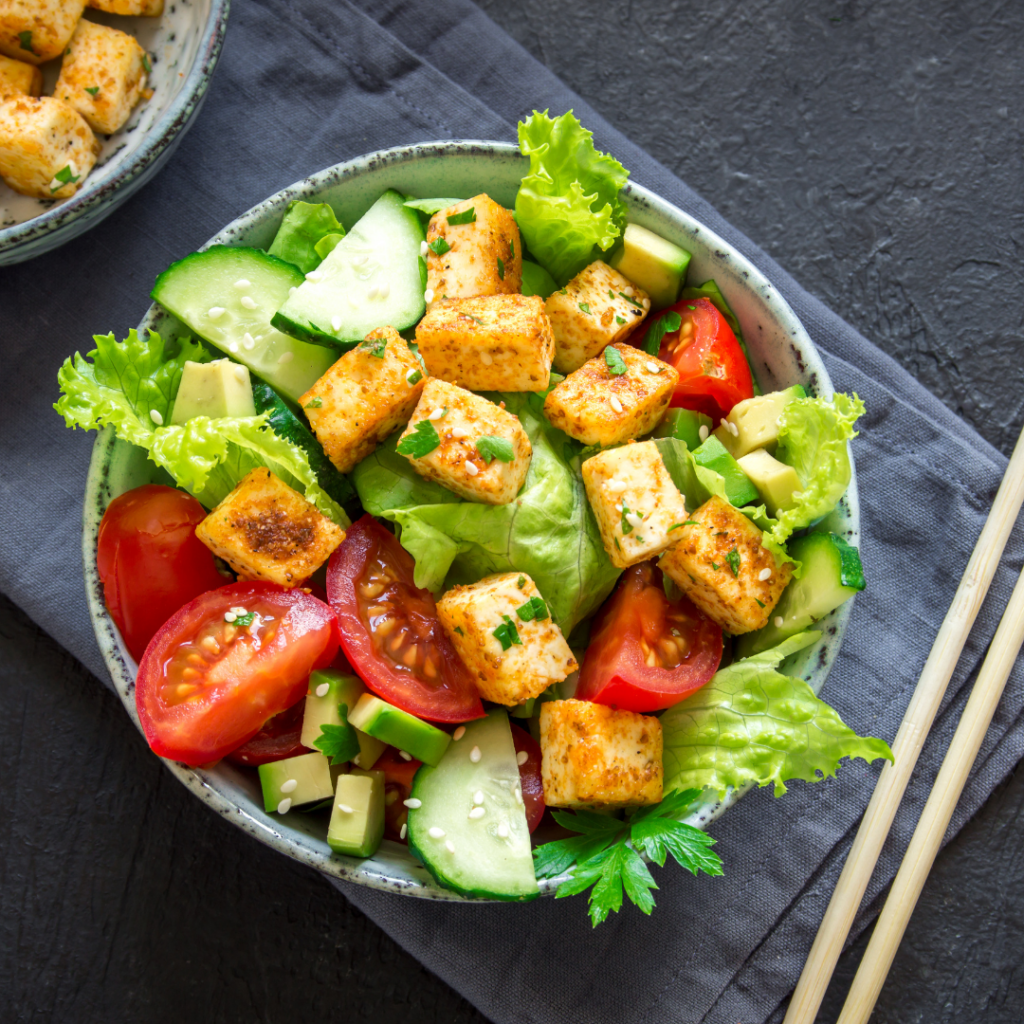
x: 307, y: 83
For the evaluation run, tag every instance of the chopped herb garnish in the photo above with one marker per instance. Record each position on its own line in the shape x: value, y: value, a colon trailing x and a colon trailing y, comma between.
x: 491, y: 448
x: 65, y: 177
x: 314, y: 403
x: 338, y: 742
x: 521, y: 582
x: 585, y: 308
x: 759, y: 602
x: 733, y: 558
x: 415, y: 377
x: 501, y: 269
x: 507, y: 634
x: 458, y: 629
x: 145, y: 63
x: 691, y: 522
x: 466, y: 217
x: 614, y: 361
x: 475, y: 319
x: 535, y: 608
x: 620, y: 320
x: 439, y: 247
x: 630, y: 300
x: 626, y: 525
x: 375, y: 346
x: 245, y: 620
x: 675, y: 526
x: 422, y: 441
x: 25, y: 38
x: 691, y: 308
x: 665, y: 324
x: 611, y: 294
x: 715, y: 566
x: 617, y: 544
x: 562, y: 291
x: 93, y: 90
x: 511, y: 249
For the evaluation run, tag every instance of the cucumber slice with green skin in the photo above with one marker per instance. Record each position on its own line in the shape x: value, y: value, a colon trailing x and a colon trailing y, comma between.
x: 374, y: 277
x: 392, y: 725
x: 832, y: 574
x: 492, y: 856
x: 210, y: 292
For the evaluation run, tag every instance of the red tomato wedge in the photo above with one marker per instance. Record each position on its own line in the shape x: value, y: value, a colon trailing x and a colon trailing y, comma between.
x: 150, y: 560
x: 530, y: 781
x: 206, y: 685
x: 647, y: 653
x: 390, y: 629
x: 280, y: 737
x: 713, y: 371
x: 398, y: 776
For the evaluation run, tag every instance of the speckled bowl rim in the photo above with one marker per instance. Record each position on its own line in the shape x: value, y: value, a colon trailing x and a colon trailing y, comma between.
x: 95, y: 201
x: 812, y: 665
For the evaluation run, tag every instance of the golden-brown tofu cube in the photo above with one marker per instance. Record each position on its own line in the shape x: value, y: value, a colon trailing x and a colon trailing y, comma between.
x: 488, y: 343
x: 484, y: 256
x: 597, y: 308
x: 46, y: 148
x: 364, y: 397
x: 503, y: 632
x: 37, y: 30
x: 102, y: 75
x: 19, y: 79
x: 131, y: 8
x: 637, y: 506
x: 265, y: 530
x: 613, y: 397
x: 718, y: 562
x: 467, y: 444
x: 594, y: 756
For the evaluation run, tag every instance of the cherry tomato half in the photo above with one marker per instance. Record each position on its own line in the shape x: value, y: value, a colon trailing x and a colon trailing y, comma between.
x: 206, y: 685
x: 398, y: 776
x: 390, y: 629
x: 150, y: 560
x: 647, y: 653
x: 529, y: 776
x: 713, y: 371
x: 280, y: 737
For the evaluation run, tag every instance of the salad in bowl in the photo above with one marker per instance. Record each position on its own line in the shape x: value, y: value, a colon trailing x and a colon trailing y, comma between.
x: 451, y: 539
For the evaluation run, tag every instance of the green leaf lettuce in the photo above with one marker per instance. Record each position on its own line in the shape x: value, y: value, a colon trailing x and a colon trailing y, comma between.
x: 305, y: 225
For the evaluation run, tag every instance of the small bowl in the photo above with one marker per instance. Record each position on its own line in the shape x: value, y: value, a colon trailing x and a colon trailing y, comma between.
x: 184, y: 44
x: 780, y: 349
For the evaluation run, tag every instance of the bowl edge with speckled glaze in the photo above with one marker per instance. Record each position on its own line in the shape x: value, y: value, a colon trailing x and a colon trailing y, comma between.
x: 781, y: 352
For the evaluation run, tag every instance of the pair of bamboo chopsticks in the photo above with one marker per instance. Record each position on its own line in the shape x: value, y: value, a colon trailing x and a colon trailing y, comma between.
x: 893, y: 781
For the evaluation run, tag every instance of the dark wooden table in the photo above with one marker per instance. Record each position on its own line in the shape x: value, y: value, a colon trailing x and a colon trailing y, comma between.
x: 875, y: 150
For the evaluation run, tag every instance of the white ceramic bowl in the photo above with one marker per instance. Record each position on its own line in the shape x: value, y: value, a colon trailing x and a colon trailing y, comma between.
x: 184, y: 44
x: 781, y: 352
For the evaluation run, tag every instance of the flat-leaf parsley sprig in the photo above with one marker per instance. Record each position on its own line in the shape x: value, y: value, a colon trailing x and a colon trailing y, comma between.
x: 607, y: 851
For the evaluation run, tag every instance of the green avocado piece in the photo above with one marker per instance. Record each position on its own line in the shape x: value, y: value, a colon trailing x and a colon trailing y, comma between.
x: 357, y: 816
x: 738, y: 489
x: 391, y: 725
x: 685, y: 425
x: 652, y: 263
x: 218, y: 389
x: 294, y: 782
x: 323, y: 707
x: 775, y: 481
x: 537, y: 281
x: 754, y: 422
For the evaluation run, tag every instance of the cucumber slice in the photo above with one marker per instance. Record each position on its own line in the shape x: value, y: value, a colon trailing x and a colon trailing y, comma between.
x: 832, y: 574
x: 374, y: 277
x: 492, y: 855
x: 205, y: 291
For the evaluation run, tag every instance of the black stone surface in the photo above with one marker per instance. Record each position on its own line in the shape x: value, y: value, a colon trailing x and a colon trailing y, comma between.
x: 875, y: 150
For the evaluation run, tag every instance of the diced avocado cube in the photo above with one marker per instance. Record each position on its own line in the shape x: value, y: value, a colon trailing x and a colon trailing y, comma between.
x: 756, y: 421
x: 357, y: 816
x: 295, y: 782
x: 685, y: 425
x: 775, y: 481
x: 652, y: 263
x: 218, y: 389
x: 537, y: 281
x: 425, y: 742
x: 739, y: 491
x: 323, y: 707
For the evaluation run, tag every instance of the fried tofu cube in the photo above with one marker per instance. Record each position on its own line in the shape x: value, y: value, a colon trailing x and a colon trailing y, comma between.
x: 19, y: 79
x: 483, y: 256
x: 597, y: 308
x: 265, y: 530
x: 594, y: 756
x: 364, y: 397
x: 637, y: 506
x: 719, y: 563
x: 130, y: 8
x: 102, y: 76
x: 37, y: 30
x: 503, y: 632
x: 597, y: 405
x: 462, y: 441
x: 46, y: 148
x: 488, y: 343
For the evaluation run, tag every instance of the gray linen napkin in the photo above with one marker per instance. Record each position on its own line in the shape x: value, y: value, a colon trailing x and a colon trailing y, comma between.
x: 306, y: 83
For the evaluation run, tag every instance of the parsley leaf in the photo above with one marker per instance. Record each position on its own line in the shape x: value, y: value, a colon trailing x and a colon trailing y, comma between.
x: 92, y: 90
x: 245, y: 620
x: 375, y: 346
x: 733, y: 558
x: 665, y: 324
x: 25, y: 39
x: 630, y: 300
x: 314, y: 403
x: 65, y: 177
x: 501, y: 269
x: 439, y: 247
x: 715, y: 566
x: 458, y: 629
x: 491, y: 448
x: 146, y: 64
x: 620, y: 320
x: 338, y: 742
x: 535, y: 608
x: 521, y: 582
x: 626, y: 526
x: 422, y: 441
x: 466, y: 217
x: 614, y: 361
x: 507, y: 634
x: 585, y: 308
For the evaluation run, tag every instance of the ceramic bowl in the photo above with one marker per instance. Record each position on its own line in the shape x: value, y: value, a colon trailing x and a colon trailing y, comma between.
x: 781, y: 352
x: 184, y: 44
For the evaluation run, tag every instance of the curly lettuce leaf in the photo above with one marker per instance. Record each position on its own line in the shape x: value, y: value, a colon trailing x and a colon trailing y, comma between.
x: 548, y: 531
x: 305, y: 225
x: 569, y: 203
x: 751, y: 723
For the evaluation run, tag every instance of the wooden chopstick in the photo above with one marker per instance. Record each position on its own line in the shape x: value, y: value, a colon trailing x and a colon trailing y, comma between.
x: 924, y: 846
x: 917, y: 721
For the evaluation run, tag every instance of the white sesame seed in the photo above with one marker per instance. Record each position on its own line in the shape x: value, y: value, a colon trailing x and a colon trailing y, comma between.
x: 477, y: 812
x: 215, y: 312
x: 724, y: 423
x: 405, y: 755
x: 652, y: 367
x: 435, y: 833
x: 248, y: 301
x: 286, y: 357
x: 239, y: 610
x: 428, y: 295
x: 478, y: 797
x: 459, y: 733
x: 314, y: 276
x: 373, y: 292
x: 294, y: 288
x: 233, y: 346
x: 475, y: 755
x: 619, y: 508
x: 323, y: 689
x: 522, y: 757
x: 449, y: 846
x: 360, y: 260
x: 243, y: 282
x: 628, y: 291
x: 344, y: 808
x: 240, y: 375
x: 459, y: 433
x: 413, y: 803
x: 764, y: 574
x: 437, y: 414
x: 290, y: 786
x: 615, y: 403
x: 734, y: 430
x: 703, y: 432
x: 518, y: 795
x: 285, y: 805
x: 405, y: 829
x: 424, y: 248
x: 634, y: 520
x: 471, y: 468
x: 486, y: 358
x: 617, y: 486
x: 779, y: 622
x: 336, y: 323
x: 384, y: 290
x: 503, y: 830
x: 248, y: 341
x: 157, y: 417
x: 230, y: 616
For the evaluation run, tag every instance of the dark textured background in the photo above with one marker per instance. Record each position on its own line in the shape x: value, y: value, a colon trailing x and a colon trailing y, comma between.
x: 873, y: 149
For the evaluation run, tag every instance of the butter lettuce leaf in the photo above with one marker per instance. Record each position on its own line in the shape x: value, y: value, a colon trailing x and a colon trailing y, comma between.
x: 751, y: 723
x: 305, y: 225
x: 568, y: 204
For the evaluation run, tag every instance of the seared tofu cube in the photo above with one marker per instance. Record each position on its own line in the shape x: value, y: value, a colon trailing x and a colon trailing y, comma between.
x: 637, y: 506
x: 503, y: 632
x: 467, y: 444
x: 265, y: 530
x: 717, y: 560
x: 102, y: 76
x: 131, y: 8
x: 37, y: 30
x: 364, y: 397
x: 46, y: 148
x: 488, y: 343
x: 618, y: 395
x: 595, y: 756
x: 597, y: 308
x: 19, y: 79
x: 478, y: 256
